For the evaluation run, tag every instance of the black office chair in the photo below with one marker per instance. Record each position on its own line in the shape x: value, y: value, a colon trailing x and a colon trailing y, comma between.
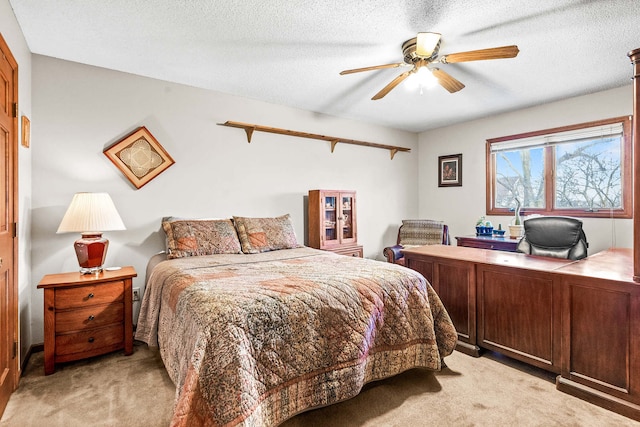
x: 554, y: 236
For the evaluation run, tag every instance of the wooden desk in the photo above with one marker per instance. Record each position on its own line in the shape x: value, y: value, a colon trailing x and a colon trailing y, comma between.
x: 579, y: 319
x: 488, y: 242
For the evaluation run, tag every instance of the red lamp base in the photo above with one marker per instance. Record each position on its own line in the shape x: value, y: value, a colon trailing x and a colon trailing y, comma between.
x: 91, y: 250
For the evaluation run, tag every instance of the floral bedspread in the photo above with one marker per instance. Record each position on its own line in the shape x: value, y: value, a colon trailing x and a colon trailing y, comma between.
x: 256, y: 339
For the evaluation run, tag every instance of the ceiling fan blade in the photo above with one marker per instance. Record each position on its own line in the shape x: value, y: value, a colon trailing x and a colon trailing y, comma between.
x: 447, y: 81
x: 375, y: 67
x: 427, y: 44
x: 482, y: 54
x: 395, y: 82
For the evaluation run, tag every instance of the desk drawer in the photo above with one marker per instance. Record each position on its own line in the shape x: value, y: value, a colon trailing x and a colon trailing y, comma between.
x: 90, y: 317
x: 87, y: 341
x: 89, y: 295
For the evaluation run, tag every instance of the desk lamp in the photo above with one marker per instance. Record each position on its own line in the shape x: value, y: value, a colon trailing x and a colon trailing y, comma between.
x: 88, y: 213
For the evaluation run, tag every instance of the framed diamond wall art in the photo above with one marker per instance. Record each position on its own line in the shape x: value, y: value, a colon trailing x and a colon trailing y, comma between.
x: 139, y: 156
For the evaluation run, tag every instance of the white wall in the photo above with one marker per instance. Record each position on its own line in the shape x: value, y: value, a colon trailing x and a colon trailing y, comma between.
x: 79, y: 110
x: 14, y: 38
x: 460, y: 207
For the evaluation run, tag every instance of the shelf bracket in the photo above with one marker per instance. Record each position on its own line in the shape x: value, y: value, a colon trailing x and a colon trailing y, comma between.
x: 249, y: 128
x: 249, y: 131
x: 333, y: 144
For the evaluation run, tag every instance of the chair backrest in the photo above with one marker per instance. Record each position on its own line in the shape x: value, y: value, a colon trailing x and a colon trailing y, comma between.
x: 414, y: 232
x: 554, y: 236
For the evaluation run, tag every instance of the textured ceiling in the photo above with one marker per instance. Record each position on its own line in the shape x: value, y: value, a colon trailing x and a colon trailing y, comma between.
x: 291, y: 52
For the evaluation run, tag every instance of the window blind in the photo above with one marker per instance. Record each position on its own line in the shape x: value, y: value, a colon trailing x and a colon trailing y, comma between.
x: 613, y: 130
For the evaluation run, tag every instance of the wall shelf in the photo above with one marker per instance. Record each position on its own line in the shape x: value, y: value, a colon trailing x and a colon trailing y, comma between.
x: 250, y: 128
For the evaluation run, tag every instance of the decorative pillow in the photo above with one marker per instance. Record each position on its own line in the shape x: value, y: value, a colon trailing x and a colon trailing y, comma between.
x: 265, y: 234
x: 194, y: 237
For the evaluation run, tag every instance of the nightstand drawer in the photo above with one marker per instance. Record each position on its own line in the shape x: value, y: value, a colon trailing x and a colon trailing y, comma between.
x: 89, y: 295
x: 89, y: 340
x: 89, y: 317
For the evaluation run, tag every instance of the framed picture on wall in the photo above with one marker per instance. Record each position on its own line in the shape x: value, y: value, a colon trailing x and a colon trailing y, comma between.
x: 139, y: 156
x: 450, y: 170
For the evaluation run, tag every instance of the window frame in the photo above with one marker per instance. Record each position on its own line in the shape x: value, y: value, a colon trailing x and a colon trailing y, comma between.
x: 549, y: 174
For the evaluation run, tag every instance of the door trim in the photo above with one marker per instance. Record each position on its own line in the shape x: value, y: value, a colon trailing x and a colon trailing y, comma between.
x: 13, y: 205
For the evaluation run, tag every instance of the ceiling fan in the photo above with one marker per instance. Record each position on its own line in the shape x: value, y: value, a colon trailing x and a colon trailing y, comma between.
x: 422, y: 51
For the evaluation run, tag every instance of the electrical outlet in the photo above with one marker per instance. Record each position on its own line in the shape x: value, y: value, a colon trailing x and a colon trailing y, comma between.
x: 136, y: 294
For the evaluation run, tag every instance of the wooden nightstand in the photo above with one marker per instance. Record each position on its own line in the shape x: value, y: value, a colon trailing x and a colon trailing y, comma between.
x: 86, y: 315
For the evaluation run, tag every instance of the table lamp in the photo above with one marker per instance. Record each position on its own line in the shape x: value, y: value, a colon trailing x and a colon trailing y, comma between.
x: 91, y: 214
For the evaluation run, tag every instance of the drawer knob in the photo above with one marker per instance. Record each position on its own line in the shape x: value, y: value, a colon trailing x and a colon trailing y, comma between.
x: 91, y: 317
x: 91, y: 339
x: 91, y: 295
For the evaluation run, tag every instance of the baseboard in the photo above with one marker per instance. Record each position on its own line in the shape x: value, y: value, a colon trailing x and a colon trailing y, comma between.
x: 597, y: 397
x: 33, y: 349
x: 469, y: 349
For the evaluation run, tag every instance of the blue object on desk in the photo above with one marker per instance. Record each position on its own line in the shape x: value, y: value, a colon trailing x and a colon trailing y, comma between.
x: 482, y: 230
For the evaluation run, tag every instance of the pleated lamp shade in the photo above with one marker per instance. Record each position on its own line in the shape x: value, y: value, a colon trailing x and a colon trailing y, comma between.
x: 91, y: 214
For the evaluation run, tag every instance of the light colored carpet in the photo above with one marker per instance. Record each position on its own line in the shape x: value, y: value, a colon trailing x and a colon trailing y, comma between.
x: 115, y: 390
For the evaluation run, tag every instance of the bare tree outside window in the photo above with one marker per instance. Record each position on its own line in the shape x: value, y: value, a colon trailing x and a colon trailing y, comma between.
x: 589, y: 174
x: 520, y: 175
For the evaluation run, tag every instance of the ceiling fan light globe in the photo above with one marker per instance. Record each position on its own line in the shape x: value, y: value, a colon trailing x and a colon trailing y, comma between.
x: 412, y: 82
x: 426, y: 78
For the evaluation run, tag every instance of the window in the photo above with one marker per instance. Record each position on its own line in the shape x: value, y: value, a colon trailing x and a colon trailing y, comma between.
x: 581, y: 170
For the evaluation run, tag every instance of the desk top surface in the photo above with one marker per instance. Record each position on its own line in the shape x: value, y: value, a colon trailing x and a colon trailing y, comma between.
x: 490, y: 257
x: 611, y: 264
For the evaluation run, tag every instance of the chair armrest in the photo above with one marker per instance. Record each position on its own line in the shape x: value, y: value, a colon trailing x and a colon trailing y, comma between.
x: 393, y: 253
x: 446, y: 240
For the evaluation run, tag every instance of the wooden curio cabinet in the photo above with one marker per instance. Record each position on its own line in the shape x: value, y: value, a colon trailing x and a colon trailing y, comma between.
x: 332, y: 222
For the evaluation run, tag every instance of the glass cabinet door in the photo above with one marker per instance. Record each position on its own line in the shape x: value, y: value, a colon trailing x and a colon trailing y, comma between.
x: 347, y: 217
x: 331, y: 219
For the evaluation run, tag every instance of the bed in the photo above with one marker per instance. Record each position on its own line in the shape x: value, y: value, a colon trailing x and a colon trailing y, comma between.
x: 255, y: 337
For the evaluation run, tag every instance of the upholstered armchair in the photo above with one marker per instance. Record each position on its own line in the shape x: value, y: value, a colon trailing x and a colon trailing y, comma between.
x: 416, y: 232
x: 554, y: 236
